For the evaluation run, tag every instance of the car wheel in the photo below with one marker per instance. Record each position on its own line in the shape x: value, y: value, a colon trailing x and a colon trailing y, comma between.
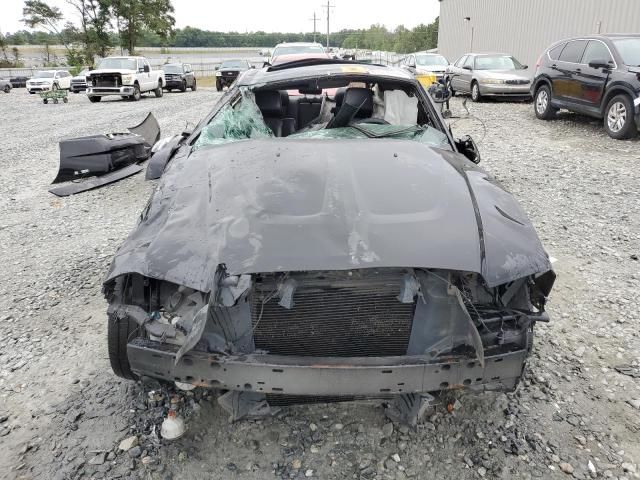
x: 618, y: 121
x: 136, y: 93
x: 475, y: 92
x: 219, y: 86
x: 183, y: 88
x: 119, y: 332
x: 95, y: 99
x: 542, y: 104
x: 194, y: 87
x: 7, y: 88
x: 158, y: 91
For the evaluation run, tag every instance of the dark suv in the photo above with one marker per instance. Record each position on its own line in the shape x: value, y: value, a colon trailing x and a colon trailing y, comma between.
x: 596, y: 75
x: 180, y: 76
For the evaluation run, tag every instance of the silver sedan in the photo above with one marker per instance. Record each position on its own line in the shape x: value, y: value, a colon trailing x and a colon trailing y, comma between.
x: 489, y: 75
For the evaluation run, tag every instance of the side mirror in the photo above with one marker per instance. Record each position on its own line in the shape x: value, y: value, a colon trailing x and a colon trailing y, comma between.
x: 146, y: 69
x: 467, y: 147
x: 599, y: 64
x: 466, y: 67
x: 524, y: 67
x: 217, y: 67
x: 253, y: 66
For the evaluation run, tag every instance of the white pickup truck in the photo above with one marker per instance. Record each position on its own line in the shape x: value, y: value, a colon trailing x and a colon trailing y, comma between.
x: 128, y: 77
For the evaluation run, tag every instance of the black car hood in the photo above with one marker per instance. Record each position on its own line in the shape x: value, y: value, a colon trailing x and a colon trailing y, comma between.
x: 294, y: 205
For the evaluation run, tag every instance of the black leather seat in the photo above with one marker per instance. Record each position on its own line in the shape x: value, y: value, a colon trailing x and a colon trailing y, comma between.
x: 273, y: 105
x: 351, y: 104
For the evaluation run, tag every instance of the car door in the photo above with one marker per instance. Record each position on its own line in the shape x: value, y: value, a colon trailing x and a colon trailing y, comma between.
x: 466, y: 74
x: 593, y: 80
x: 566, y: 85
x: 455, y: 71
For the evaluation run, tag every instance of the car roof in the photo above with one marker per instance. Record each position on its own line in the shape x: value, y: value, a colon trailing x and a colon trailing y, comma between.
x: 485, y: 54
x: 299, y: 44
x: 338, y: 68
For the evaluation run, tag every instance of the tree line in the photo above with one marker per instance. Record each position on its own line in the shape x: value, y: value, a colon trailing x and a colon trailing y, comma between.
x: 103, y: 25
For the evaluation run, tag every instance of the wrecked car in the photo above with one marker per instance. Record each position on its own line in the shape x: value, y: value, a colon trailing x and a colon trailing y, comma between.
x: 322, y: 236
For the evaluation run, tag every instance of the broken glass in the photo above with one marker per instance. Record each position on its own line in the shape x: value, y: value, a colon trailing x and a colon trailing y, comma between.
x: 239, y: 122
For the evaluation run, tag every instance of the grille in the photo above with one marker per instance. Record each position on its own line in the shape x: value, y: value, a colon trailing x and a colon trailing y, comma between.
x: 106, y: 81
x: 335, y: 316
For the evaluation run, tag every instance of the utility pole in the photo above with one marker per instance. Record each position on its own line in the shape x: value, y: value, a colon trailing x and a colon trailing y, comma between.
x: 328, y: 6
x: 315, y: 18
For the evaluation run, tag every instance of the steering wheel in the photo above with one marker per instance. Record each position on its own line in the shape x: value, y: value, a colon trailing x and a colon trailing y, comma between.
x: 374, y: 121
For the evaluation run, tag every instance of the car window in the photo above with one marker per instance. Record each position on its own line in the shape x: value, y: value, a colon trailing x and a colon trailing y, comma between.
x: 460, y: 61
x: 497, y: 62
x: 431, y: 61
x: 468, y: 62
x: 629, y: 50
x: 297, y: 49
x: 572, y: 52
x: 554, y: 53
x: 596, y: 50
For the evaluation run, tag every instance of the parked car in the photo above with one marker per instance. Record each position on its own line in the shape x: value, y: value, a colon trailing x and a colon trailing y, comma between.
x: 489, y: 75
x: 595, y: 75
x: 128, y: 77
x: 296, y: 57
x: 365, y: 254
x: 79, y: 82
x: 19, y: 81
x: 229, y: 70
x: 45, y: 80
x: 296, y: 48
x: 420, y: 63
x: 179, y: 76
x: 5, y: 85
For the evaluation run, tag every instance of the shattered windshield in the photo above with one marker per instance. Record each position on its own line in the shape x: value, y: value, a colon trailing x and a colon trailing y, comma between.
x: 45, y: 74
x: 232, y: 123
x: 423, y: 134
x: 118, y: 63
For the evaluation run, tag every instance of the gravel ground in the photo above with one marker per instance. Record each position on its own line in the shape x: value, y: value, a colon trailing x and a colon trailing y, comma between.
x: 63, y: 413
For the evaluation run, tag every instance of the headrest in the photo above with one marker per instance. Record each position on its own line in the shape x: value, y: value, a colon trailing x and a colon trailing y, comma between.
x: 270, y: 103
x: 339, y: 98
x: 359, y: 97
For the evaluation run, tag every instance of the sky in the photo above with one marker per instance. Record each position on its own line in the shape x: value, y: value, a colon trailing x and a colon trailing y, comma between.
x: 267, y: 15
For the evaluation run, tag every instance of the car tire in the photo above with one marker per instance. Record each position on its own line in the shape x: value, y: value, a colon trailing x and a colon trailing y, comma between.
x: 159, y: 91
x: 183, y: 87
x: 619, y: 119
x: 7, y: 89
x: 119, y: 332
x: 136, y: 93
x: 194, y: 87
x: 542, y: 104
x: 94, y: 99
x: 475, y: 92
x: 218, y: 86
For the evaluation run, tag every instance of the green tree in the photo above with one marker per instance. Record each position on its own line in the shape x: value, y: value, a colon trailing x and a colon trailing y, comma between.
x: 134, y: 17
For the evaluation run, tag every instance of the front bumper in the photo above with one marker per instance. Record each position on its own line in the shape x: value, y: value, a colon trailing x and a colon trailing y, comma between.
x: 296, y: 375
x: 38, y: 88
x: 226, y: 80
x: 104, y: 91
x: 170, y: 83
x: 505, y: 90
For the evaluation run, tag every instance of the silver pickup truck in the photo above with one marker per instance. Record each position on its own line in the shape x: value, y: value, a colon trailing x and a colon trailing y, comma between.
x: 128, y: 77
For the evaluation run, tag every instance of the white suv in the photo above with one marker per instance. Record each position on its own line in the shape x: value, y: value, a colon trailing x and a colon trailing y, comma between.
x: 44, y: 80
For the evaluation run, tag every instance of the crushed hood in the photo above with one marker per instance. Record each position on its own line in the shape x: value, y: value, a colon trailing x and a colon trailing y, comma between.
x: 293, y: 205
